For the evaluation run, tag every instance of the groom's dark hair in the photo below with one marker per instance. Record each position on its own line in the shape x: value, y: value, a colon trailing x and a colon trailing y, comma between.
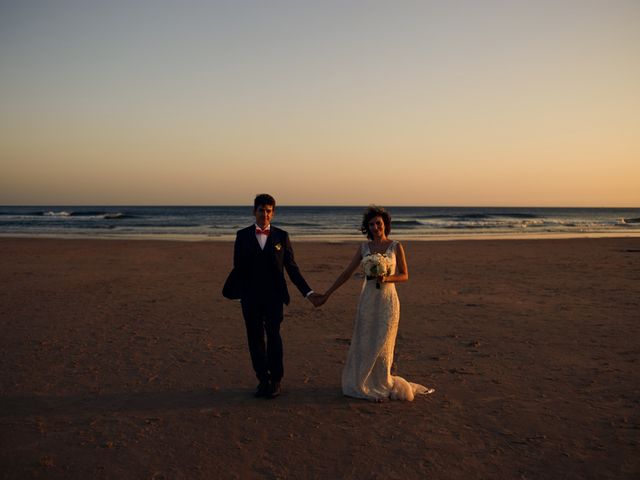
x: 371, y: 212
x: 263, y: 199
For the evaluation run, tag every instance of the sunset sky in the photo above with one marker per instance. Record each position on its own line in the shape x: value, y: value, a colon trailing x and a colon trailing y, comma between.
x: 506, y: 103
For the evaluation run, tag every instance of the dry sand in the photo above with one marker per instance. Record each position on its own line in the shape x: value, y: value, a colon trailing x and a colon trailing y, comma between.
x: 120, y: 359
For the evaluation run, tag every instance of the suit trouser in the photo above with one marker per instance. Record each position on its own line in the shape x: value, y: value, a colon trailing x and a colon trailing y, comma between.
x: 260, y: 318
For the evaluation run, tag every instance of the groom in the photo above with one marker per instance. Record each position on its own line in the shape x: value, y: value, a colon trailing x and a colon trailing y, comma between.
x: 260, y: 255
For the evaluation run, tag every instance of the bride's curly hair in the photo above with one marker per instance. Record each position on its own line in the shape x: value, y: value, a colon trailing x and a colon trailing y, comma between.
x: 371, y: 212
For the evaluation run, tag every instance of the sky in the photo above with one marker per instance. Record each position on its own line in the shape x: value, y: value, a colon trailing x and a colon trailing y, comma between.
x: 464, y: 102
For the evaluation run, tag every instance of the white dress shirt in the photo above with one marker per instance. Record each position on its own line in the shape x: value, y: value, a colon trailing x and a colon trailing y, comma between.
x: 261, y: 237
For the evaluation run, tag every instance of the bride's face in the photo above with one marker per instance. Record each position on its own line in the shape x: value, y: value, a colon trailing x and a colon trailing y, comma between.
x: 376, y: 227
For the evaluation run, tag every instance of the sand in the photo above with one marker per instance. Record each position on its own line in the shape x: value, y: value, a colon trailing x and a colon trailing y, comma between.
x: 121, y: 359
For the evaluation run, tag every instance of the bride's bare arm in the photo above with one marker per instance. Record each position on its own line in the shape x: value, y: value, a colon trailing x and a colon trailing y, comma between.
x: 344, y: 276
x: 402, y: 272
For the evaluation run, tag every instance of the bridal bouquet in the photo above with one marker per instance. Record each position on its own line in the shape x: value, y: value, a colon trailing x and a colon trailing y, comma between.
x: 376, y: 265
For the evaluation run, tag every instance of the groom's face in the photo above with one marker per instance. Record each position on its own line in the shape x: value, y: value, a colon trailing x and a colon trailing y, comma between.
x: 264, y: 214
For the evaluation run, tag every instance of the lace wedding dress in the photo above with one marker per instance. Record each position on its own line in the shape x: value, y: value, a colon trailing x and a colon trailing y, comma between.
x: 367, y: 371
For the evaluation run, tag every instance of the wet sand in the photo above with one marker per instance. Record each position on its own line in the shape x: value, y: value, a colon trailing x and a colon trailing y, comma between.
x: 120, y: 359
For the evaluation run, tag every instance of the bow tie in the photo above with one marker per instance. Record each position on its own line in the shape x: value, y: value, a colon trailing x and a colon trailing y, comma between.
x: 266, y: 231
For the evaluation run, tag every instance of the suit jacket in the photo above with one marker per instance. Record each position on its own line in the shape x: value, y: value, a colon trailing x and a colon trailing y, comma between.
x: 257, y: 272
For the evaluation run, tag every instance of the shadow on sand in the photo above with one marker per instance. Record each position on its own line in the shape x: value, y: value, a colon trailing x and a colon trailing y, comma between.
x: 204, y: 398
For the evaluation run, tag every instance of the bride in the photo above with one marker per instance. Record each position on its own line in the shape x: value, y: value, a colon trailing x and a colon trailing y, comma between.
x: 367, y: 373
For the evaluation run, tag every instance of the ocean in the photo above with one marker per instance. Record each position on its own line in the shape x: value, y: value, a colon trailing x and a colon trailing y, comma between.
x: 314, y: 222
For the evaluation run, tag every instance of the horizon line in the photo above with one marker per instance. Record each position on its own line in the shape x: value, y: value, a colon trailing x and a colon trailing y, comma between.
x: 311, y: 205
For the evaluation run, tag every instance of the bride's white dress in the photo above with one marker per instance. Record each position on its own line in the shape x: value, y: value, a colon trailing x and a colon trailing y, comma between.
x: 367, y: 373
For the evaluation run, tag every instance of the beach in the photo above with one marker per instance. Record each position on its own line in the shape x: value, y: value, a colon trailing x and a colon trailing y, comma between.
x: 121, y: 359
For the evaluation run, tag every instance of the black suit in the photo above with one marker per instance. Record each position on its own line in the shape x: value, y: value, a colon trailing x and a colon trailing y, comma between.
x: 258, y: 281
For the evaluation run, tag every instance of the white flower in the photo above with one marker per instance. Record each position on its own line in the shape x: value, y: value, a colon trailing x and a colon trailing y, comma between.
x: 376, y: 265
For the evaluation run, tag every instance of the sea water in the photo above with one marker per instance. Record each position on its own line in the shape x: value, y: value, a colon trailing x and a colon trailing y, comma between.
x: 314, y: 222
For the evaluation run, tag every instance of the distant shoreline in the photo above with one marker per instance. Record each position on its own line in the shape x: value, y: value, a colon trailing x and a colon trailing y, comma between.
x: 327, y: 238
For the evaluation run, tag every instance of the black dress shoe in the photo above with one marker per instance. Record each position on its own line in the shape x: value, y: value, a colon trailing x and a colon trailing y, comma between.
x: 263, y: 390
x: 274, y: 391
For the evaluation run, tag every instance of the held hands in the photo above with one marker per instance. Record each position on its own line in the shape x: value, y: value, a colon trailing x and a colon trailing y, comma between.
x: 322, y: 300
x: 317, y: 299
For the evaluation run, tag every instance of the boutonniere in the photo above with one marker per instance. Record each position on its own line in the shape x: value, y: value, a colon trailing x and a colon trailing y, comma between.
x: 278, y: 247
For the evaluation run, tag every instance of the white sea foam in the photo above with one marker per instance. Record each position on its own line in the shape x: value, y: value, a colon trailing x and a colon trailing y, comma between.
x: 57, y: 214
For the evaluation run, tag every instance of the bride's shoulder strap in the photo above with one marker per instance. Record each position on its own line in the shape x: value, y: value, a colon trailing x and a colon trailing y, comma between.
x: 364, y: 249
